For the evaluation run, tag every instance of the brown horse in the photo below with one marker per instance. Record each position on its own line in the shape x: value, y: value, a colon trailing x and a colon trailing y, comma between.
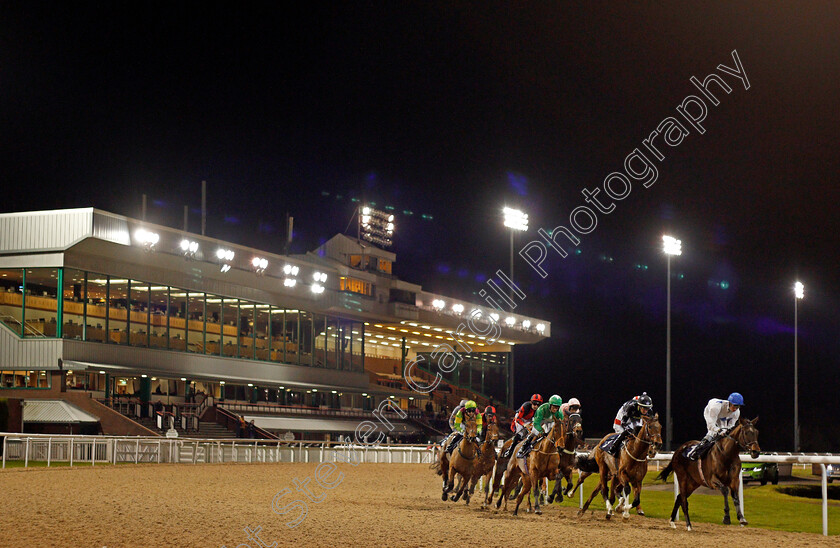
x: 462, y: 461
x: 720, y: 468
x: 540, y: 463
x: 566, y: 463
x: 486, y: 462
x: 625, y: 470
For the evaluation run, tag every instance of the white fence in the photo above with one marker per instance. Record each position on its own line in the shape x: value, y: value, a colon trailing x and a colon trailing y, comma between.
x: 112, y: 450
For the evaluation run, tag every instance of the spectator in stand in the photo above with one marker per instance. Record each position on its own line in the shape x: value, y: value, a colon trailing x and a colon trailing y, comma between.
x: 252, y: 429
x: 430, y: 411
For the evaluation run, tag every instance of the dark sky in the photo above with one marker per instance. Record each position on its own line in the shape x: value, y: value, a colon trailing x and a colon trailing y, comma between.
x: 452, y: 110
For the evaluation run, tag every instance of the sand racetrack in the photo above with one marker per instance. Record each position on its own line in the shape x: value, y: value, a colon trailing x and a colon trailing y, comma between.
x: 208, y: 505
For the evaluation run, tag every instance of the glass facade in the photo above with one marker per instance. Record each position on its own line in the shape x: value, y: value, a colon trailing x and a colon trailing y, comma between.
x: 483, y: 372
x: 99, y: 308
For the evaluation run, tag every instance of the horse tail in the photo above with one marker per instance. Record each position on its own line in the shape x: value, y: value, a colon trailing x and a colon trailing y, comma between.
x: 587, y: 464
x: 663, y: 475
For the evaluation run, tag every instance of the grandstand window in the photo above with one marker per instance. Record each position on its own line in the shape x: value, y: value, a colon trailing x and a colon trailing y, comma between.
x: 115, y: 322
x: 11, y: 298
x: 159, y: 303
x: 356, y: 286
x: 75, y: 296
x: 40, y: 302
x: 24, y: 379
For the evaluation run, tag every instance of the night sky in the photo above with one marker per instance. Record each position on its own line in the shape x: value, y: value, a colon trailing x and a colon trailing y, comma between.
x: 451, y: 110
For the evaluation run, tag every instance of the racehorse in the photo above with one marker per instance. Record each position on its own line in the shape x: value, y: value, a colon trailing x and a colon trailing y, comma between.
x: 629, y: 470
x: 540, y: 463
x: 718, y: 469
x: 572, y: 439
x: 462, y: 461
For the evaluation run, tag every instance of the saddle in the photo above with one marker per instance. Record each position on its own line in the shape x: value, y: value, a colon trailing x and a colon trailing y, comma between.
x: 608, y: 443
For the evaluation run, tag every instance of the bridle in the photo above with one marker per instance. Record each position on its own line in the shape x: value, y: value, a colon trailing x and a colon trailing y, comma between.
x: 647, y: 441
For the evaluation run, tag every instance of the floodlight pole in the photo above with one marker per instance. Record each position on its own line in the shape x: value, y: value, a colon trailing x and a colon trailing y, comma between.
x: 796, y: 373
x: 668, y: 422
x: 511, y: 263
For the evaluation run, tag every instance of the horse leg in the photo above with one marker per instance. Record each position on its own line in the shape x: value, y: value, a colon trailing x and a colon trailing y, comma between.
x: 735, y: 499
x: 677, y: 503
x: 626, y: 500
x: 557, y: 492
x: 684, y: 502
x: 526, y: 490
x: 589, y: 500
x: 608, y: 493
x: 446, y: 487
x: 725, y: 491
x: 456, y: 495
x: 580, y: 481
x: 510, y: 477
x: 537, y: 482
x: 637, y: 498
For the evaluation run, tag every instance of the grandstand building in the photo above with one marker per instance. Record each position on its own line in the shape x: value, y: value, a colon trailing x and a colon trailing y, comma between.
x: 135, y: 325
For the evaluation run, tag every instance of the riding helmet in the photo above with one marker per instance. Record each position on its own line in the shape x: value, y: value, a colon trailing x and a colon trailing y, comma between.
x: 644, y: 400
x: 736, y: 399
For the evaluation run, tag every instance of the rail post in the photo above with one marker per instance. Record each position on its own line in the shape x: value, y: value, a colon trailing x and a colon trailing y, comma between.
x: 49, y: 451
x: 824, y: 483
x: 71, y: 451
x: 136, y: 450
x: 158, y: 453
x: 93, y: 452
x: 4, y: 451
x: 26, y: 454
x: 741, y: 492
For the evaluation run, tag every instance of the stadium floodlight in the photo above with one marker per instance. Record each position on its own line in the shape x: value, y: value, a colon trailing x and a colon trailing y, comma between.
x: 540, y: 327
x: 799, y: 290
x: 671, y: 245
x: 376, y: 226
x: 515, y: 219
x: 259, y: 264
x: 510, y: 321
x: 291, y: 270
x: 189, y: 248
x: 319, y: 277
x: 438, y: 304
x: 317, y: 288
x: 147, y: 239
x: 289, y: 282
x: 494, y: 317
x: 526, y: 324
x: 458, y: 308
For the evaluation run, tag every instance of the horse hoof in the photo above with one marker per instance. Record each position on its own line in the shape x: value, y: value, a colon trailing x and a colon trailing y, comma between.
x: 551, y: 499
x: 744, y: 524
x: 673, y: 525
x: 727, y: 521
x: 640, y: 512
x: 443, y: 497
x: 688, y: 527
x: 625, y: 515
x: 538, y: 512
x: 608, y: 517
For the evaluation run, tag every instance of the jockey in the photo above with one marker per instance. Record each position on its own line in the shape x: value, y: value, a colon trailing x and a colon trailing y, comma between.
x: 720, y: 415
x: 455, y: 413
x: 629, y: 419
x: 521, y: 422
x: 571, y: 407
x: 543, y: 419
x: 470, y: 410
x: 488, y: 416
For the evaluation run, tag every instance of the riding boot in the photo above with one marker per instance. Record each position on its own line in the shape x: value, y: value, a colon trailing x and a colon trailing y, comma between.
x: 700, y: 449
x: 615, y: 450
x: 527, y: 447
x: 514, y: 440
x: 453, y: 442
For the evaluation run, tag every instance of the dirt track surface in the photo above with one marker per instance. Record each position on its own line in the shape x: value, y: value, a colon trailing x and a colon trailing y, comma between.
x: 374, y: 505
